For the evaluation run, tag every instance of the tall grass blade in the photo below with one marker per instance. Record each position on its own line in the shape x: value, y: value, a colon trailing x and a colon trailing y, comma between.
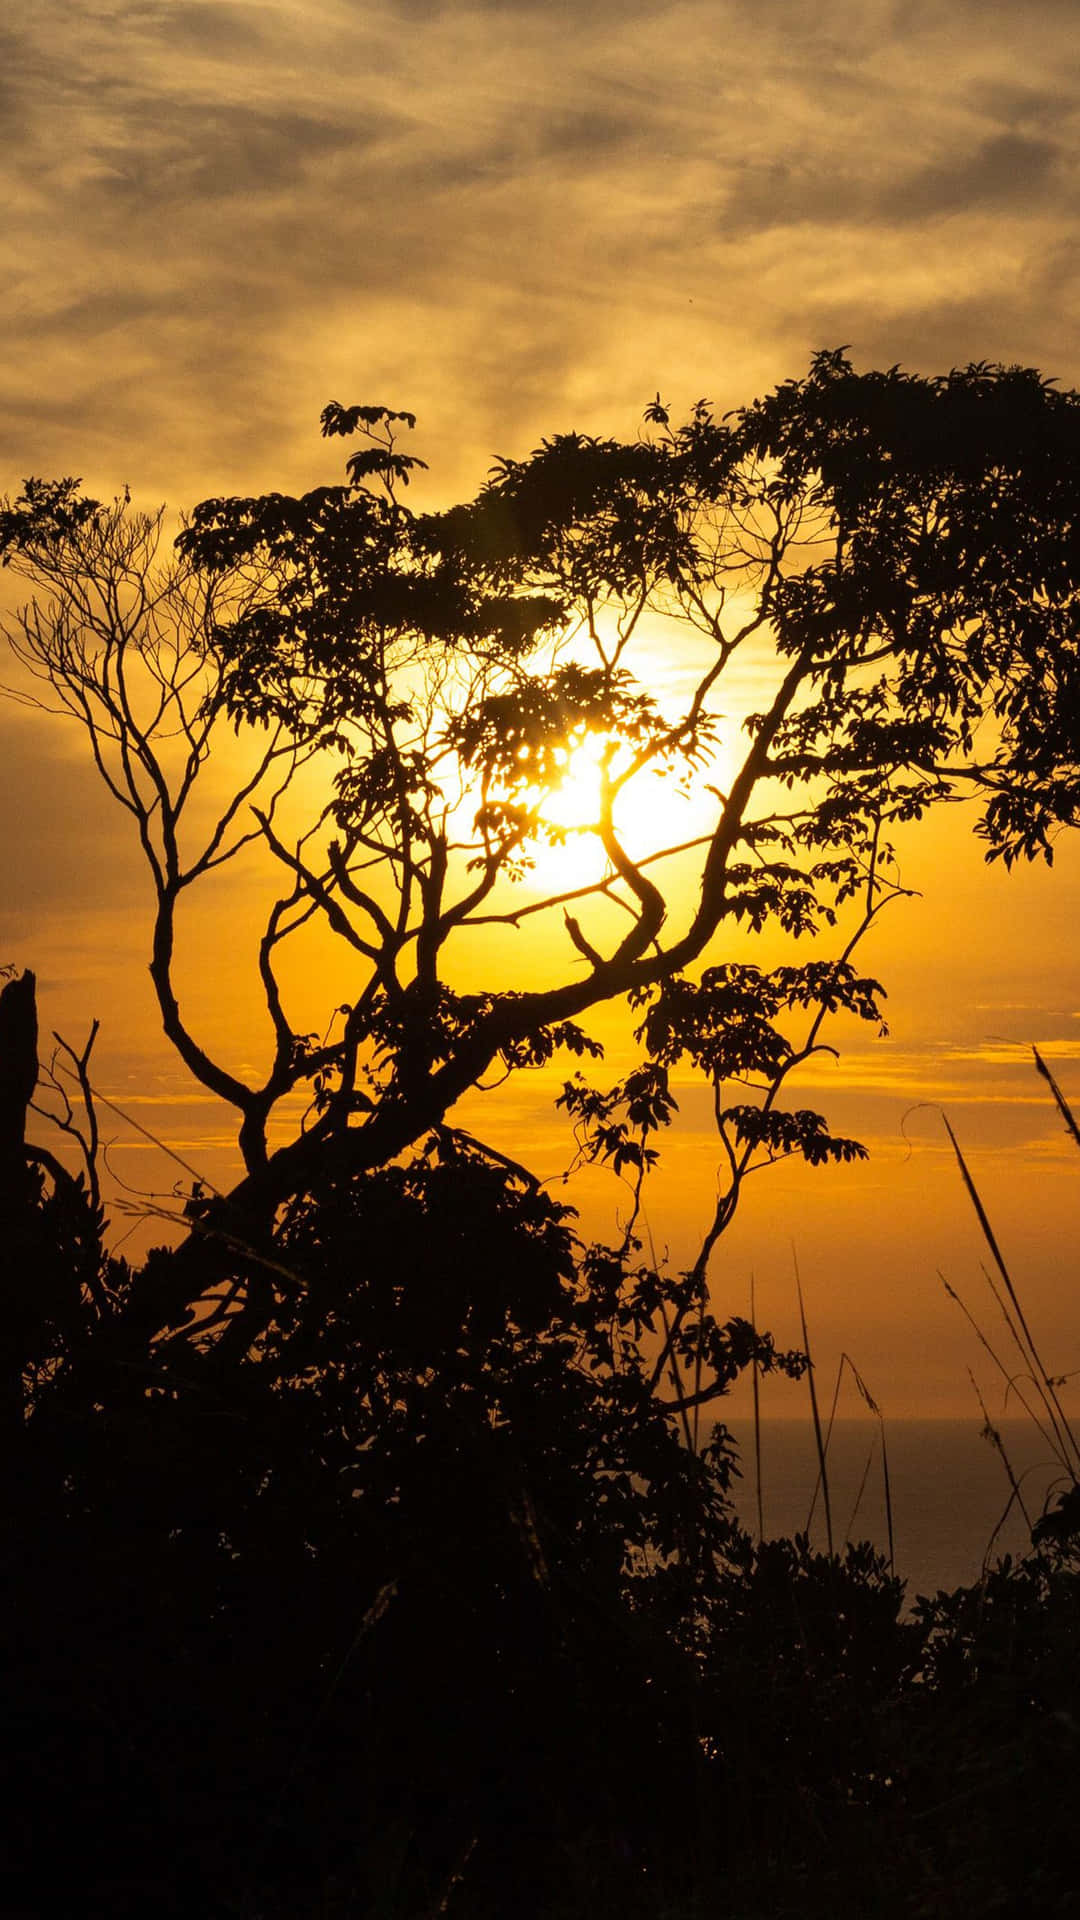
x: 1010, y: 1379
x: 1063, y: 1106
x: 990, y: 1432
x: 887, y: 1485
x: 880, y: 1418
x: 819, y: 1441
x: 1057, y: 1440
x: 862, y: 1489
x: 1060, y: 1421
x: 829, y: 1424
x: 677, y: 1381
x: 756, y: 1380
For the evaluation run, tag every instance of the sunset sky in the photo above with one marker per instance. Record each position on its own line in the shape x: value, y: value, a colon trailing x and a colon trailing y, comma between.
x: 517, y: 220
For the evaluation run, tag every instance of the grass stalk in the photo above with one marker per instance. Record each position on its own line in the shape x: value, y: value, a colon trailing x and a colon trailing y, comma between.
x: 1063, y: 1106
x: 828, y: 1432
x: 1054, y: 1408
x: 1056, y: 1439
x: 887, y: 1486
x: 755, y: 1376
x: 862, y: 1489
x: 677, y: 1380
x: 991, y: 1433
x: 846, y: 1360
x: 1010, y: 1379
x: 815, y: 1412
x: 824, y: 1444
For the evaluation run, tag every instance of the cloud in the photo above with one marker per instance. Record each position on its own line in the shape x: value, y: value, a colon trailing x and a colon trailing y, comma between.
x: 53, y: 808
x: 1011, y: 168
x: 1007, y: 171
x: 510, y: 217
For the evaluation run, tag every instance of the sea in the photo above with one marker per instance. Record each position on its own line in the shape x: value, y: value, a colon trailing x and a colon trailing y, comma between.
x: 953, y: 1509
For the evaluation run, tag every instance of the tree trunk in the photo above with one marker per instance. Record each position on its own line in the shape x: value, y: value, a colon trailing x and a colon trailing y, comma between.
x: 18, y: 1078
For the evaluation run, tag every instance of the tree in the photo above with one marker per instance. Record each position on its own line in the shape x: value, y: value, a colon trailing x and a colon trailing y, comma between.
x: 123, y: 638
x: 898, y: 555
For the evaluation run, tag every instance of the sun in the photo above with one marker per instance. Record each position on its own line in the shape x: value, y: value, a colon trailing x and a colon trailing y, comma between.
x: 653, y: 811
x: 575, y: 802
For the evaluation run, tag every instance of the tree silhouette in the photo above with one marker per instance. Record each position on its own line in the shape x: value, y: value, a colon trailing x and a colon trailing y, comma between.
x: 897, y: 559
x: 382, y: 1490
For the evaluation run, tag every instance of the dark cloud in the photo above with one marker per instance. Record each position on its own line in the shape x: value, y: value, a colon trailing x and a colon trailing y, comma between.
x: 223, y: 29
x: 1008, y: 171
x: 1042, y: 109
x: 1004, y: 173
x: 191, y: 153
x: 507, y: 15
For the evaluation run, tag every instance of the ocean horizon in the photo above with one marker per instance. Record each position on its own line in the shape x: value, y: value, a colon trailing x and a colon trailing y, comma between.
x: 952, y: 1505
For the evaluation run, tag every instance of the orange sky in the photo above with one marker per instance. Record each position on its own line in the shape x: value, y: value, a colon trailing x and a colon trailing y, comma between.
x: 516, y: 220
